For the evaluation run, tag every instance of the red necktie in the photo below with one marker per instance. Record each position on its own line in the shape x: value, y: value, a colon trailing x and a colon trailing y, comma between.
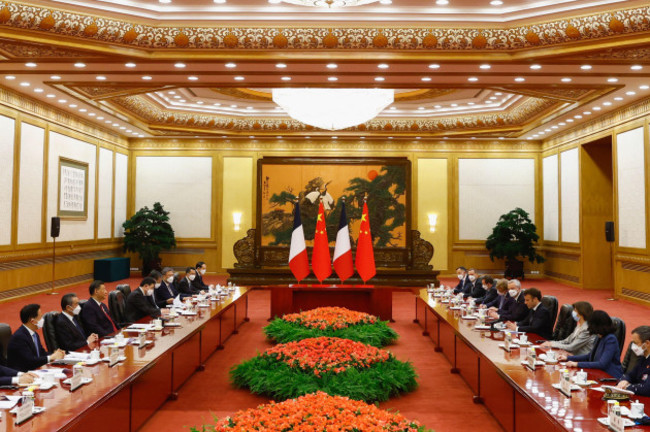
x: 103, y: 308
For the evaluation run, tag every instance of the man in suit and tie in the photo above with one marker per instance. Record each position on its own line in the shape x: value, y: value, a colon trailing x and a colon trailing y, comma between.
x: 515, y: 308
x: 10, y: 376
x: 94, y: 314
x: 160, y: 300
x: 167, y: 289
x: 538, y: 320
x: 185, y: 286
x: 69, y: 331
x: 25, y: 351
x: 197, y: 283
x: 140, y: 302
x: 463, y: 280
x: 476, y: 289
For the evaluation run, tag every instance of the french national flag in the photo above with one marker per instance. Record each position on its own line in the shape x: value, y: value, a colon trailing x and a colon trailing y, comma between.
x: 342, y: 251
x: 298, y: 259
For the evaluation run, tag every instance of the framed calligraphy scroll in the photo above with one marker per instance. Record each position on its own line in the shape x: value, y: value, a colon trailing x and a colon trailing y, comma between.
x: 73, y: 190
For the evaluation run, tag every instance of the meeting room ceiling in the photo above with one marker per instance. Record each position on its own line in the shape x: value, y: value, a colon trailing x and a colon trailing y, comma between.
x: 145, y: 68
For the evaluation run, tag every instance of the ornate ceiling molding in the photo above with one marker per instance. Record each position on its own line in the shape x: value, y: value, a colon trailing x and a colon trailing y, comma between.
x: 126, y: 33
x: 258, y: 95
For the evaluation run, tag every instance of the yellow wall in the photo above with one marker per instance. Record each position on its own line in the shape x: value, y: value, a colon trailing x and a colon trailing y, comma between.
x: 238, y: 196
x: 432, y: 184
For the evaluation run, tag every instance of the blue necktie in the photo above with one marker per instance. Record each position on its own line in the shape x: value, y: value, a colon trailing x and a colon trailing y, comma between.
x: 76, y: 324
x: 35, y: 337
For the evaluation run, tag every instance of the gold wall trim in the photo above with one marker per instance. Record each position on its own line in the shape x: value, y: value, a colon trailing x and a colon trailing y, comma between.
x: 184, y: 251
x: 44, y: 251
x: 13, y: 265
x: 45, y: 286
x: 563, y: 256
x: 564, y: 276
x: 104, y: 30
x: 635, y: 267
x: 635, y: 294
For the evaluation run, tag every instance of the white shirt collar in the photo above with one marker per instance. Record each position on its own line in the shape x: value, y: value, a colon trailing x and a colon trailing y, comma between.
x: 97, y: 301
x: 31, y: 332
x: 70, y: 317
x: 535, y: 308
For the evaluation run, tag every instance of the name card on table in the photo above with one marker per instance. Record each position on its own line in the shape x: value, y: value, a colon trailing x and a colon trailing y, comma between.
x: 531, y: 359
x: 142, y: 340
x: 76, y: 381
x: 113, y: 358
x: 565, y: 386
x: 507, y: 341
x: 616, y: 421
x: 25, y: 411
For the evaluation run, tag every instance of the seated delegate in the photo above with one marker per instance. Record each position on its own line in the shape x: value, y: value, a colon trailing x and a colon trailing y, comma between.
x: 605, y: 355
x: 499, y: 303
x: 489, y: 287
x: 580, y: 341
x: 638, y: 380
x: 69, y: 332
x: 94, y: 315
x: 10, y: 376
x: 140, y: 302
x: 514, y: 310
x: 538, y: 320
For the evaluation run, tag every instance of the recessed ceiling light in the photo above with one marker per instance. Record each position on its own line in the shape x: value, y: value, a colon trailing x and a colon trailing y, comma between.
x: 51, y: 95
x: 472, y: 79
x: 286, y: 78
x: 644, y: 87
x: 569, y: 120
x: 588, y: 112
x: 130, y: 65
x: 122, y: 127
x: 80, y: 65
x: 566, y: 79
x: 216, y: 104
x: 468, y: 103
x: 249, y: 108
x: 10, y: 77
x: 612, y: 80
x: 146, y: 78
x: 442, y: 2
x: 280, y: 65
x: 629, y: 93
x: 496, y: 2
x: 165, y: 1
x: 334, y: 137
x: 520, y: 79
x: 116, y: 124
x: 171, y: 92
x: 489, y: 101
x: 454, y: 104
x: 485, y: 66
x: 493, y: 97
x: 636, y: 67
x: 231, y: 65
x: 182, y: 100
x: 219, y: 1
x: 498, y: 94
x: 547, y: 130
x: 535, y: 66
x: 73, y: 105
x: 379, y: 78
x: 24, y: 84
x: 426, y: 79
x: 239, y: 78
x: 129, y: 131
x: 82, y: 110
x: 100, y: 78
x: 180, y: 65
x: 393, y: 108
x: 92, y: 114
x: 607, y: 103
x: 62, y: 100
x: 542, y: 133
x: 386, y: 1
x: 332, y: 79
x: 418, y: 137
x: 38, y: 90
x: 55, y: 77
x: 554, y: 127
x: 420, y: 108
x: 178, y: 97
x: 596, y: 108
x: 437, y: 106
x: 233, y: 106
x: 434, y: 66
x: 108, y: 121
x: 199, y: 102
x: 31, y: 65
x: 585, y: 67
x: 382, y: 66
x: 529, y: 138
x: 193, y: 78
x: 562, y: 124
x: 332, y: 66
x: 577, y: 116
x: 618, y: 98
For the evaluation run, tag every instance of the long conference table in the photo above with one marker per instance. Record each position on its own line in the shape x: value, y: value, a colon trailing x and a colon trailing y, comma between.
x: 520, y: 399
x: 122, y: 397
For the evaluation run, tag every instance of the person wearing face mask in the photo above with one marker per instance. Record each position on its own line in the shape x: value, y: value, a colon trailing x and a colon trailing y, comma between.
x: 538, y: 320
x: 69, y: 332
x: 185, y: 286
x: 25, y: 351
x: 638, y: 380
x: 580, y: 341
x: 463, y: 281
x: 476, y: 290
x: 489, y: 287
x: 160, y: 300
x: 198, y: 283
x: 515, y: 310
x: 140, y: 302
x: 167, y: 290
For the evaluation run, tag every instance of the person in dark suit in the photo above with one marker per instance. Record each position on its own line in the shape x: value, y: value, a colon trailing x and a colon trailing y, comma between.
x: 10, y: 376
x: 514, y: 310
x: 167, y: 289
x: 638, y: 380
x: 140, y: 302
x: 538, y: 320
x: 605, y: 355
x: 69, y: 331
x: 185, y: 285
x: 476, y: 290
x: 197, y: 283
x: 490, y: 287
x: 161, y: 301
x: 94, y: 314
x: 25, y: 351
x: 498, y: 303
x: 463, y: 280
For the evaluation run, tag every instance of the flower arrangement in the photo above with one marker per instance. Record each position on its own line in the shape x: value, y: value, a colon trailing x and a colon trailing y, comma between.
x: 316, y: 412
x: 332, y: 365
x: 331, y: 322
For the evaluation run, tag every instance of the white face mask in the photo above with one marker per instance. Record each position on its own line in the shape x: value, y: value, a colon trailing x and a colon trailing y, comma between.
x: 637, y: 349
x: 472, y: 278
x: 202, y: 271
x: 149, y: 292
x: 191, y: 277
x: 40, y: 323
x: 170, y: 279
x: 76, y: 310
x: 460, y: 277
x: 485, y: 287
x: 157, y: 285
x: 513, y: 292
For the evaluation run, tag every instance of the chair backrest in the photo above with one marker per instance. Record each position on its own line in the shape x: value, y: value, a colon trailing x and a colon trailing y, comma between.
x: 125, y: 288
x: 116, y: 306
x: 565, y: 323
x: 619, y: 332
x: 5, y: 335
x: 550, y: 303
x: 630, y: 361
x: 49, y: 331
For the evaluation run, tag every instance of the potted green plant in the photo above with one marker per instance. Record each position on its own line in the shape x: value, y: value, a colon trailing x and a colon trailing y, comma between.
x: 148, y: 232
x: 514, y: 236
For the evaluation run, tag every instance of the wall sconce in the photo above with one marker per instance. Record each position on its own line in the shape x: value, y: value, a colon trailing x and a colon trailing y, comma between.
x: 433, y: 221
x: 236, y: 218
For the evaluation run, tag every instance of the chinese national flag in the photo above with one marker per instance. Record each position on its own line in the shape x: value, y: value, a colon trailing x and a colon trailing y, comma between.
x: 365, y: 259
x: 321, y: 262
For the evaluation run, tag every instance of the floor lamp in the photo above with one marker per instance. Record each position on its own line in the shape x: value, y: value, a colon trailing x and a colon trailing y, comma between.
x: 55, y: 229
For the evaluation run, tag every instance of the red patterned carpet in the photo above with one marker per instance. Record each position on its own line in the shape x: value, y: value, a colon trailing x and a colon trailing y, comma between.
x: 442, y: 402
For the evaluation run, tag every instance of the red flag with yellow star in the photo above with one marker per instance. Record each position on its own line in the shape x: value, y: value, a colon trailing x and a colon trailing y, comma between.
x: 321, y: 262
x: 365, y: 259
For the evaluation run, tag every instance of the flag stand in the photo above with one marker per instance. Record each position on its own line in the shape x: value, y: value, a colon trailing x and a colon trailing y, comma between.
x: 52, y: 292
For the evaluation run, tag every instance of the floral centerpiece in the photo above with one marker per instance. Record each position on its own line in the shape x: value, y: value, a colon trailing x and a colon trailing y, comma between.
x: 316, y: 412
x: 332, y: 365
x: 331, y: 322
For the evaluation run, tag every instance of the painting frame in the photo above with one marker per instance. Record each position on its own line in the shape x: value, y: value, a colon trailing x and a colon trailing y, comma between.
x: 66, y: 168
x: 275, y: 256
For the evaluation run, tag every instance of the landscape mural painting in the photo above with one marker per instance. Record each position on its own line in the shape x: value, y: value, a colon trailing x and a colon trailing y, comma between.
x: 384, y: 182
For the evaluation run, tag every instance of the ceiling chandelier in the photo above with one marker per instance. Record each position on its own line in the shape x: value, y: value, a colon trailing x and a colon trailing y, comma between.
x: 333, y: 109
x: 330, y: 3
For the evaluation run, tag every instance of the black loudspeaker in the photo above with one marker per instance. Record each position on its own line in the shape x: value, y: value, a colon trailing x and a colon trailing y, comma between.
x: 55, y: 228
x: 609, y: 231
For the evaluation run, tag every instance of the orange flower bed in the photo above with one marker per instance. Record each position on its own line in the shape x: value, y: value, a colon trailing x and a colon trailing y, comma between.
x: 317, y: 412
x: 327, y: 354
x: 334, y: 318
